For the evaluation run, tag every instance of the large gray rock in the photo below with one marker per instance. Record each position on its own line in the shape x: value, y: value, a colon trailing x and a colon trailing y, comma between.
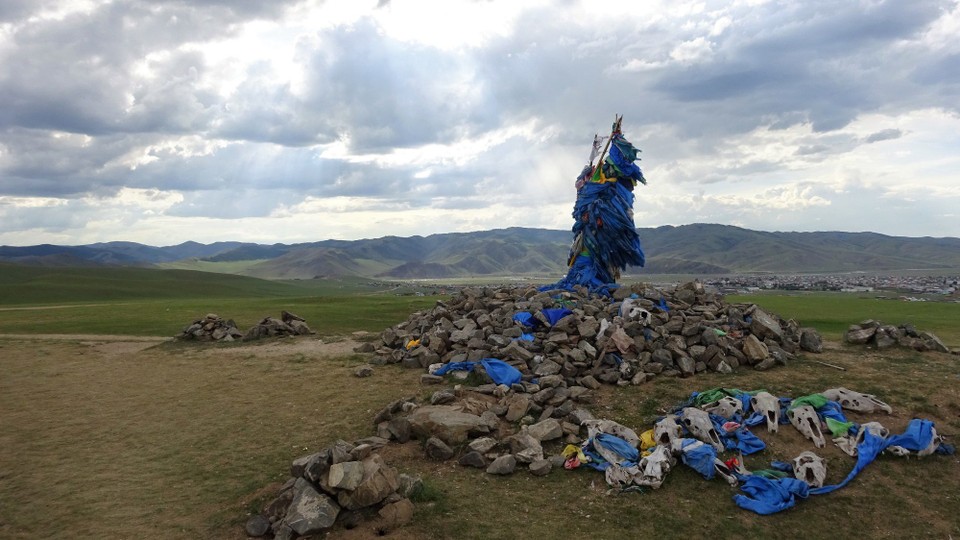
x: 346, y: 475
x: 546, y: 430
x: 503, y: 465
x: 444, y: 422
x: 310, y: 512
x: 764, y: 325
x: 858, y: 335
x: 379, y: 480
x: 754, y: 349
x: 810, y: 340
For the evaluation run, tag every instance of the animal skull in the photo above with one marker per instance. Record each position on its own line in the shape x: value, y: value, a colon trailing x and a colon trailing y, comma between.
x: 666, y: 430
x: 805, y: 419
x: 810, y: 468
x: 768, y: 405
x: 725, y: 407
x: 698, y: 423
x: 630, y: 310
x: 595, y: 427
x: 655, y: 466
x: 855, y: 401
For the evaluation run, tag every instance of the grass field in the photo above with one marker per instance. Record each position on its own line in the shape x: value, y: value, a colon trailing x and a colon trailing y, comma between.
x: 125, y: 439
x: 832, y: 313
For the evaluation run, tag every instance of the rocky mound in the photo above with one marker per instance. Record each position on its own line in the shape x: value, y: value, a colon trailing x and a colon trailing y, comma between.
x: 883, y: 336
x: 344, y: 483
x: 210, y: 328
x: 288, y: 325
x: 583, y: 338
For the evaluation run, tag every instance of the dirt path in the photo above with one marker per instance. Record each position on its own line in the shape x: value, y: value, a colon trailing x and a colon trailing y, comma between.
x: 269, y: 348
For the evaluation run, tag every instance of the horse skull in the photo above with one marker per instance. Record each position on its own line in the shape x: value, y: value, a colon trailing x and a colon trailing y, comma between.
x: 855, y: 401
x: 810, y: 468
x: 725, y: 407
x: 805, y: 419
x: 698, y: 423
x: 666, y: 430
x: 768, y: 405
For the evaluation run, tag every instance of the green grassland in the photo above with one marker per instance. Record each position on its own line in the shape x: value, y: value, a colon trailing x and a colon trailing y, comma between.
x: 148, y: 302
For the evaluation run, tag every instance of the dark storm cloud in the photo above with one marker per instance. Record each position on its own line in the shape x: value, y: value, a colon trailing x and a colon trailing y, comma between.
x: 883, y: 135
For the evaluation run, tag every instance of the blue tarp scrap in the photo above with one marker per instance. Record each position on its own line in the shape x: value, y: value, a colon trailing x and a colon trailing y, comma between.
x: 498, y: 370
x: 699, y: 456
x: 553, y: 315
x: 526, y: 319
x: 768, y: 496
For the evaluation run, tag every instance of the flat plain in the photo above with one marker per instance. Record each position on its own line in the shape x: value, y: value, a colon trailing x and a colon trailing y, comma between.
x: 116, y: 431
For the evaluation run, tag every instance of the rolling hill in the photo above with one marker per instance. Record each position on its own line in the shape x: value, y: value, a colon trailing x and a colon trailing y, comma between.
x: 702, y: 249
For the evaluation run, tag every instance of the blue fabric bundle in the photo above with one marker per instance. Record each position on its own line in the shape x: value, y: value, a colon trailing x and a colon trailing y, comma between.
x: 498, y: 370
x: 605, y: 237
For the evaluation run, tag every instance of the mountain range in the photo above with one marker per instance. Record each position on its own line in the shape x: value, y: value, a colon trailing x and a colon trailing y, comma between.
x: 702, y: 249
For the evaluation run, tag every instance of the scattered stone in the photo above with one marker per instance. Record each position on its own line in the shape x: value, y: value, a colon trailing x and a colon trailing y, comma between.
x: 503, y: 465
x: 437, y: 449
x: 473, y: 459
x: 363, y: 371
x: 541, y: 467
x: 257, y: 526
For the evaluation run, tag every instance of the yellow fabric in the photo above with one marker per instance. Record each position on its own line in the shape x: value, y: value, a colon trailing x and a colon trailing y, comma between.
x: 573, y: 450
x: 412, y: 343
x: 647, y: 440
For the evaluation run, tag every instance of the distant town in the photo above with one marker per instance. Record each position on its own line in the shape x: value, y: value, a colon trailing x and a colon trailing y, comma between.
x: 911, y: 288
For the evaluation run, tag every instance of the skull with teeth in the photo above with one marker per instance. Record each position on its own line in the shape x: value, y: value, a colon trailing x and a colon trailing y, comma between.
x: 698, y: 422
x: 768, y: 405
x: 805, y: 419
x: 726, y: 407
x: 810, y: 468
x: 855, y: 401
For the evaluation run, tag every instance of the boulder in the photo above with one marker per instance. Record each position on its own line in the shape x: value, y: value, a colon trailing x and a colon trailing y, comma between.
x: 379, y: 480
x: 310, y: 512
x: 444, y: 422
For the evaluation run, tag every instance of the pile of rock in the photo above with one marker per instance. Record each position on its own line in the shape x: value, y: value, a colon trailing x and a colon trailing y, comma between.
x: 493, y: 433
x: 667, y: 332
x: 210, y: 328
x: 883, y: 336
x: 288, y: 325
x: 343, y: 484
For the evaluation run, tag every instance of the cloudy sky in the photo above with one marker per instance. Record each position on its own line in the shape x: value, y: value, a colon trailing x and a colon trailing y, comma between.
x: 161, y: 121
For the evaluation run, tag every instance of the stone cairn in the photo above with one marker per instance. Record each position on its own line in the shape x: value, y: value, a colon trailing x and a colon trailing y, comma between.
x: 344, y: 483
x: 214, y: 328
x: 288, y: 325
x: 210, y: 328
x: 498, y: 428
x: 675, y: 332
x: 883, y: 336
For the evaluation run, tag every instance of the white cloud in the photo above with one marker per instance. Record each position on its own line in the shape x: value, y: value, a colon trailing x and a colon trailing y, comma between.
x: 292, y: 121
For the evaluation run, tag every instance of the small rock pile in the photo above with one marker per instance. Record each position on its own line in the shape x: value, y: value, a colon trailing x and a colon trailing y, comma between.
x: 345, y: 483
x: 490, y: 427
x: 288, y: 325
x: 673, y: 332
x: 883, y: 336
x: 210, y: 328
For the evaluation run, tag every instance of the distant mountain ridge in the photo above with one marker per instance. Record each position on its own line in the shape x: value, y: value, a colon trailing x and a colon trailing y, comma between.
x: 687, y: 249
